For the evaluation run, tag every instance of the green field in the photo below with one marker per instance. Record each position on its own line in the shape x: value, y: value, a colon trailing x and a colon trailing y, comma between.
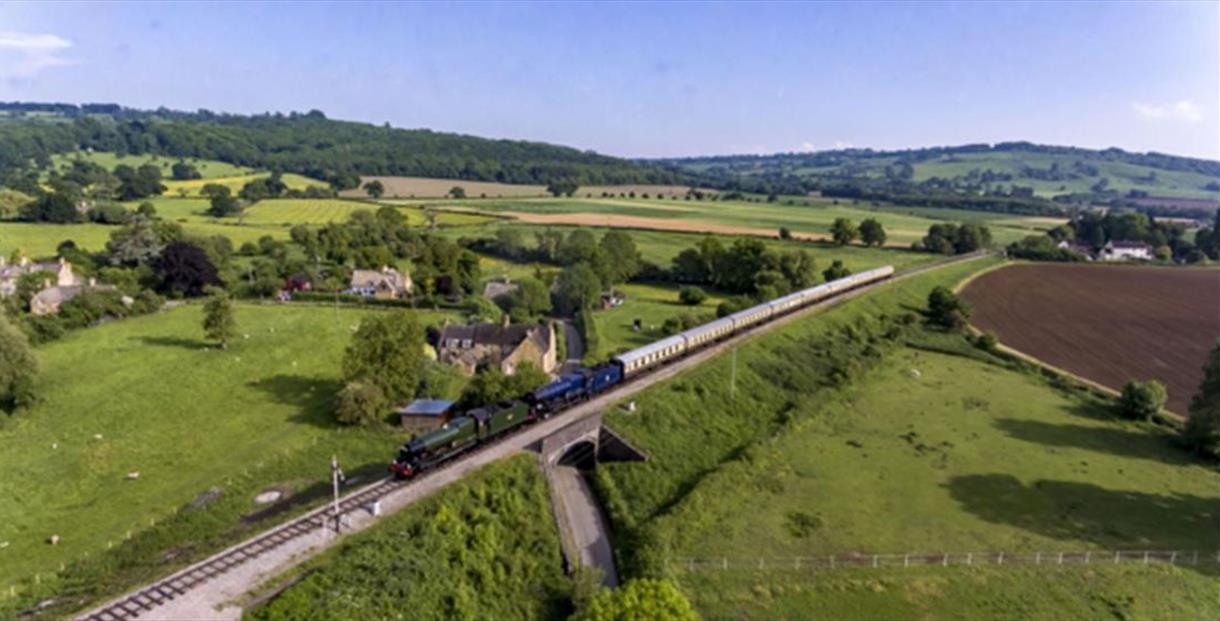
x: 210, y: 169
x: 288, y: 212
x: 191, y: 188
x: 809, y: 216
x: 964, y: 455
x: 147, y: 395
x: 652, y: 304
x: 484, y: 548
x: 41, y: 240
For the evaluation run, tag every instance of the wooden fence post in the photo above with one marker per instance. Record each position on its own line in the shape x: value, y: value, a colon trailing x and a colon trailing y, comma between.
x: 1117, y: 554
x: 1196, y: 560
x: 906, y: 560
x: 1173, y: 558
x: 1060, y: 558
x: 724, y: 561
x: 944, y: 562
x: 1145, y: 557
x: 1086, y: 557
x: 1038, y: 558
x: 832, y: 561
x: 874, y: 560
x: 970, y: 558
x: 797, y: 564
x: 1001, y: 561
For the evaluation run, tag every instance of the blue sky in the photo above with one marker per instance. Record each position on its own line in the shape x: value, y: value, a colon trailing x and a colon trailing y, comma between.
x: 654, y: 79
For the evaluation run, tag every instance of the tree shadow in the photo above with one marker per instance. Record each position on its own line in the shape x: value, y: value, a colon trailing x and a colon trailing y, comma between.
x: 314, y: 396
x: 1114, y: 519
x: 172, y: 341
x: 362, y: 475
x: 1148, y: 445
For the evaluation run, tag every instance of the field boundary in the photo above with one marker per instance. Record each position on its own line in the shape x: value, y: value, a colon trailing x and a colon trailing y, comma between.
x: 1055, y: 558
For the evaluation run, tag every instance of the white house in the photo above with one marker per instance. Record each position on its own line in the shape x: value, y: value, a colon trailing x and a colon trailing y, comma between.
x: 1125, y: 251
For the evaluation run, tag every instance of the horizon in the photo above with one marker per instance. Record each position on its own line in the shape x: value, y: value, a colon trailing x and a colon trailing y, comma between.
x: 674, y: 81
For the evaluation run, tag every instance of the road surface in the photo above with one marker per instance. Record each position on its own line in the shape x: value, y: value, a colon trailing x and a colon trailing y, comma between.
x: 586, y: 524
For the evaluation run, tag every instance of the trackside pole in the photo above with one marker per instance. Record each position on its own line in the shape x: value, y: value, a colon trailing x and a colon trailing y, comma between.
x: 335, y: 474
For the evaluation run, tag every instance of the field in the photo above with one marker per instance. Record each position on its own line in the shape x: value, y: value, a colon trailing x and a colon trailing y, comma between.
x: 210, y: 169
x: 485, y: 548
x: 1109, y: 324
x: 192, y: 188
x: 424, y: 187
x: 147, y: 395
x: 904, y: 459
x: 812, y: 220
x: 652, y: 305
x: 41, y: 240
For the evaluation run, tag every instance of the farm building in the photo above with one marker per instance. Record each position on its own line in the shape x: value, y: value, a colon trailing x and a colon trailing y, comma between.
x: 504, y: 345
x: 423, y: 415
x: 10, y: 274
x: 1125, y: 251
x: 384, y: 284
x: 1078, y: 248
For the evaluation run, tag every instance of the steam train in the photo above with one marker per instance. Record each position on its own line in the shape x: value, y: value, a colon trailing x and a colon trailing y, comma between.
x: 485, y: 424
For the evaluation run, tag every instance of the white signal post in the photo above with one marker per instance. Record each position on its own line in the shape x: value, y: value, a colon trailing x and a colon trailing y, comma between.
x: 336, y: 474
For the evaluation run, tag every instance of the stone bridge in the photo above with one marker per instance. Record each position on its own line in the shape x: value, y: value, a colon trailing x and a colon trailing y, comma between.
x: 578, y: 441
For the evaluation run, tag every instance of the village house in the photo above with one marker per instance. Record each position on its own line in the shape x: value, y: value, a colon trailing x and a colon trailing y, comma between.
x: 50, y: 298
x: 423, y: 415
x: 1125, y: 251
x: 384, y: 284
x: 11, y: 273
x: 505, y: 345
x: 1078, y: 248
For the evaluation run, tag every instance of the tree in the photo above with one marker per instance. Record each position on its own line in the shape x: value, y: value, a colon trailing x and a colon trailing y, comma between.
x: 691, y: 296
x: 1142, y: 400
x: 138, y: 183
x: 643, y: 598
x: 492, y: 385
x: 872, y: 233
x: 375, y: 188
x: 785, y: 233
x: 182, y: 171
x: 387, y: 352
x: 946, y: 309
x: 223, y: 204
x: 836, y: 271
x: 360, y: 403
x: 530, y: 300
x: 562, y: 187
x: 843, y: 231
x: 1202, y: 430
x: 18, y: 367
x: 457, y: 191
x: 622, y: 257
x: 185, y: 268
x: 147, y: 210
x: 578, y: 287
x: 219, y: 323
x: 971, y: 237
x: 55, y: 207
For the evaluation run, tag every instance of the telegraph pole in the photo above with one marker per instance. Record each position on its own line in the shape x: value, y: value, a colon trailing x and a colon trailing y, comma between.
x: 336, y: 474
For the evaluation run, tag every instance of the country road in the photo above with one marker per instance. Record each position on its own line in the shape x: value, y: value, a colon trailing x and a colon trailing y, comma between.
x: 575, y: 347
x: 588, y: 526
x: 228, y: 581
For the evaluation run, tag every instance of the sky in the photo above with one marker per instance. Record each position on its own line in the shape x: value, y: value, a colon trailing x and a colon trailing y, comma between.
x: 654, y: 79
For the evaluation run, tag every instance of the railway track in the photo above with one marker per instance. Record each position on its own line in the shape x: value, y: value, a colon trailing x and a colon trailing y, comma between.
x: 161, y: 592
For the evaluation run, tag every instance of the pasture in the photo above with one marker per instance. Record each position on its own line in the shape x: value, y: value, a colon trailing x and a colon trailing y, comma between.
x: 209, y: 169
x: 41, y: 240
x: 904, y: 459
x: 193, y: 187
x: 1106, y: 323
x: 425, y: 187
x: 148, y: 395
x: 652, y: 304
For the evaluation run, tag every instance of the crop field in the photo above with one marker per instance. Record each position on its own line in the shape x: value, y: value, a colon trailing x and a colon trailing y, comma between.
x: 811, y: 220
x: 41, y: 240
x: 210, y: 169
x: 148, y: 395
x: 484, y: 548
x: 192, y: 188
x: 1109, y: 324
x: 287, y: 212
x: 903, y: 460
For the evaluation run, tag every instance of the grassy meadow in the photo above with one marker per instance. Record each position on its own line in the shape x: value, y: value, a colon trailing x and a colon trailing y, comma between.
x: 484, y: 548
x: 148, y: 395
x: 937, y: 448
x: 652, y: 304
x: 209, y: 169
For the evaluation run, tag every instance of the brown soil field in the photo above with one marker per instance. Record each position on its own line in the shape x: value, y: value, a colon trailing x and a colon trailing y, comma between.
x: 1108, y: 324
x: 424, y: 187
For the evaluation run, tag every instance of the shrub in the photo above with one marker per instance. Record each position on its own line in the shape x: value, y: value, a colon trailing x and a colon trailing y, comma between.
x: 360, y: 403
x: 986, y: 342
x: 645, y: 598
x: 1202, y: 430
x: 1142, y: 400
x: 692, y: 296
x: 946, y: 309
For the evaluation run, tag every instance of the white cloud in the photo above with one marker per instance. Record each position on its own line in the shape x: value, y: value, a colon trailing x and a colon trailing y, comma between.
x: 807, y: 146
x: 25, y: 55
x: 1181, y: 110
x: 843, y: 144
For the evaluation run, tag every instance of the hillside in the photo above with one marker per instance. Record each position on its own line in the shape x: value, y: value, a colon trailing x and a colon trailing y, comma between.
x: 1017, y: 171
x: 309, y: 144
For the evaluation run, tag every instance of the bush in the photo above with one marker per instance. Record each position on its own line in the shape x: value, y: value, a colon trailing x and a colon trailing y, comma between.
x: 986, y: 342
x: 644, y: 598
x: 18, y: 366
x: 1142, y: 400
x: 1202, y: 430
x: 692, y: 296
x: 946, y: 309
x: 361, y: 403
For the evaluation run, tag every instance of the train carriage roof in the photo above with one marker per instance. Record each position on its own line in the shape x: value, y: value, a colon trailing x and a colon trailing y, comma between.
x: 640, y: 352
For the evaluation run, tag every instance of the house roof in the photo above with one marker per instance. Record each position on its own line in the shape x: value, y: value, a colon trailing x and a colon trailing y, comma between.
x: 1129, y: 245
x: 388, y: 276
x: 59, y: 295
x: 496, y: 289
x: 426, y: 407
x: 495, y: 334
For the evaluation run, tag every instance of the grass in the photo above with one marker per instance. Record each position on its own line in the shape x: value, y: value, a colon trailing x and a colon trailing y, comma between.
x: 186, y: 416
x: 971, y: 455
x: 193, y: 187
x: 485, y: 548
x: 288, y: 212
x: 652, y: 304
x: 41, y: 240
x: 813, y: 216
x: 210, y: 169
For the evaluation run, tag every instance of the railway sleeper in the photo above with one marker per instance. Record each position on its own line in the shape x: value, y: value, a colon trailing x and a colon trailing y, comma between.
x: 146, y: 599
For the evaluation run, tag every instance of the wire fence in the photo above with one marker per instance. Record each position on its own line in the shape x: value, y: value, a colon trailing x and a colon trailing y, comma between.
x: 946, y: 559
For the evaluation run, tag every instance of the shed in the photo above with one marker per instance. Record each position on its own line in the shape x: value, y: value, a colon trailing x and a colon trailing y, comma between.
x: 424, y: 415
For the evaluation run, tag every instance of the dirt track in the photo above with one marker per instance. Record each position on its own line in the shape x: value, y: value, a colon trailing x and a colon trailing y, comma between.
x: 1109, y: 324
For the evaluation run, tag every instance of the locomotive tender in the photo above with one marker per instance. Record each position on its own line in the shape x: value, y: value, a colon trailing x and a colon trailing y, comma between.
x: 487, y: 423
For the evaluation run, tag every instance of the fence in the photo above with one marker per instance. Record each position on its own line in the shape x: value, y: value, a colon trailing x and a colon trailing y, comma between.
x: 945, y: 559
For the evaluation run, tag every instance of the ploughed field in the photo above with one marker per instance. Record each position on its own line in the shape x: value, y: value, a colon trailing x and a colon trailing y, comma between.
x: 1109, y: 324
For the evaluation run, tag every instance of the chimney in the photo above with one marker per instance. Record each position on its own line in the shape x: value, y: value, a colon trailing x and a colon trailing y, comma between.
x: 62, y: 260
x: 92, y: 282
x: 506, y: 321
x: 24, y: 260
x: 46, y: 283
